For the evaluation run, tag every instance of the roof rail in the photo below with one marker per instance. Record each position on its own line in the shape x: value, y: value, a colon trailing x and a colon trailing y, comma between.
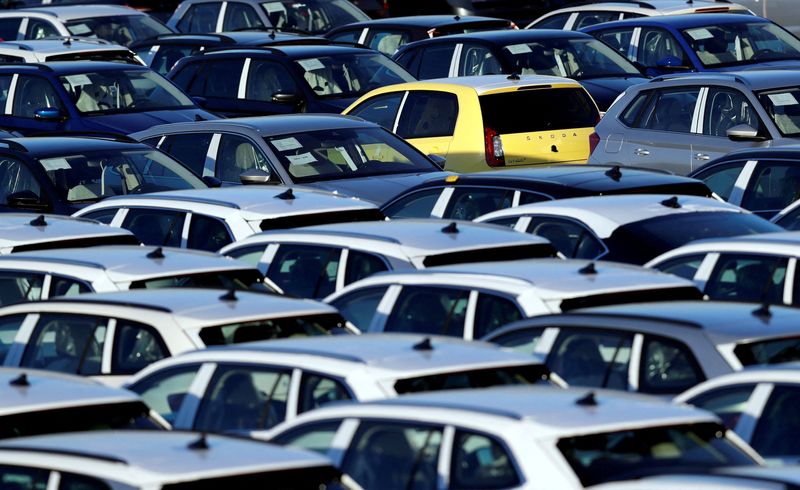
x: 40, y: 66
x: 108, y: 302
x: 179, y: 35
x: 66, y: 39
x: 240, y: 47
x: 64, y: 452
x: 107, y: 135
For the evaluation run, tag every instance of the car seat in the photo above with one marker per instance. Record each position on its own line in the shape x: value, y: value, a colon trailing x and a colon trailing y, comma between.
x: 238, y: 404
x: 558, y: 237
x: 386, y: 461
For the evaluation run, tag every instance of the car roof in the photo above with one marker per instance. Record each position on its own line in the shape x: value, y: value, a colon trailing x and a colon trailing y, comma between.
x: 511, y: 36
x: 482, y: 84
x: 61, y: 45
x: 19, y: 229
x: 789, y: 239
x: 44, y: 146
x: 74, y: 12
x: 47, y: 390
x: 424, y: 21
x: 129, y: 263
x: 683, y: 21
x: 225, y: 38
x: 756, y: 79
x: 295, y: 51
x: 146, y: 458
x: 664, y: 6
x: 69, y: 67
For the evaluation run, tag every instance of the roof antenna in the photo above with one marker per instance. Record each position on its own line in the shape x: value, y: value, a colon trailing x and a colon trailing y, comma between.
x: 68, y: 41
x: 513, y: 76
x: 424, y: 344
x: 272, y: 33
x: 157, y: 253
x: 21, y: 380
x: 588, y: 269
x: 762, y: 312
x: 457, y: 17
x: 39, y: 221
x: 614, y: 173
x: 690, y: 2
x: 198, y: 118
x: 672, y: 202
x: 229, y: 296
x: 286, y: 195
x: 588, y: 400
x: 451, y: 229
x: 199, y: 444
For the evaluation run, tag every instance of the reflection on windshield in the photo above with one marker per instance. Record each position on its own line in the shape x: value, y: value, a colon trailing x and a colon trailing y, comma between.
x: 351, y: 75
x: 346, y: 153
x: 312, y: 16
x: 783, y: 107
x: 119, y: 29
x: 739, y: 44
x: 572, y: 58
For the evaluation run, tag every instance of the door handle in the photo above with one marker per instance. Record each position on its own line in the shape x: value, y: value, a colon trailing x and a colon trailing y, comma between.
x: 641, y: 152
x: 701, y: 156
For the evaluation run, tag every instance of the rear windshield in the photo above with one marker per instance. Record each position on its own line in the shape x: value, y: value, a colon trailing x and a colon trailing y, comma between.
x: 492, y: 254
x: 296, y: 479
x: 125, y: 57
x: 240, y: 280
x: 273, y: 328
x: 667, y: 294
x: 545, y: 109
x: 684, y: 189
x: 322, y: 219
x: 773, y: 351
x: 478, y: 378
x: 631, y: 454
x: 127, y: 415
x: 79, y: 243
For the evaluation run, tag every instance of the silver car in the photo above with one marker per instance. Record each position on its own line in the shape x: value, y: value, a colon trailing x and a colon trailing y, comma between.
x: 678, y: 123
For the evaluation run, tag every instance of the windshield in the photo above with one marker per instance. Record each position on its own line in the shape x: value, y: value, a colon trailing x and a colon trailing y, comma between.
x: 94, y: 175
x: 572, y: 58
x: 240, y: 280
x: 773, y: 351
x: 312, y: 16
x: 119, y: 29
x: 630, y: 454
x: 346, y: 153
x: 740, y: 44
x: 351, y: 74
x: 273, y: 328
x: 784, y: 109
x: 478, y: 378
x: 120, y: 91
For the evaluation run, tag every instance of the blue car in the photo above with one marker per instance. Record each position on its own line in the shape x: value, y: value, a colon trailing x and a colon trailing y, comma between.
x: 89, y: 97
x: 701, y: 42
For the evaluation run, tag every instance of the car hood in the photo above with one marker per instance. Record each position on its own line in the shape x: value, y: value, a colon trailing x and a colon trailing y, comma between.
x: 605, y: 90
x: 377, y: 189
x: 138, y: 121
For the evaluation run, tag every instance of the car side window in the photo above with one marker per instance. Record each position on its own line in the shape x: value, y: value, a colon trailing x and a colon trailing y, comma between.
x: 381, y: 109
x: 70, y: 481
x: 772, y: 187
x: 160, y: 227
x: 790, y: 220
x: 726, y: 108
x: 313, y: 436
x: 480, y: 461
x: 20, y: 287
x: 361, y: 265
x: 435, y: 61
x: 428, y: 114
x: 670, y: 110
x: 429, y: 310
x: 190, y: 149
x: 249, y: 255
x: 317, y: 391
x: 524, y: 340
x: 415, y: 205
x: 657, y: 45
x: 207, y: 233
x: 618, y: 39
x: 492, y: 312
x: 186, y: 77
x: 728, y: 402
x: 267, y: 78
x: 387, y: 41
x: 164, y: 391
x: 239, y: 16
x: 557, y: 21
x: 630, y: 116
x: 16, y: 177
x: 14, y: 477
x: 777, y: 425
x: 306, y: 271
x: 105, y: 216
x: 568, y: 237
x: 34, y: 93
x: 65, y: 286
x: 9, y: 28
x: 236, y: 155
x: 214, y: 79
x: 40, y: 29
x: 746, y: 277
x: 405, y: 454
x: 348, y: 36
x: 243, y: 397
x: 509, y: 221
x: 592, y: 358
x: 668, y: 367
x: 531, y: 197
x: 136, y: 346
x: 586, y: 19
x: 9, y: 325
x: 721, y: 178
x: 200, y: 17
x: 5, y: 86
x: 410, y: 59
x: 167, y: 55
x: 67, y: 344
x: 359, y: 306
x: 685, y: 267
x: 477, y: 59
x: 467, y: 202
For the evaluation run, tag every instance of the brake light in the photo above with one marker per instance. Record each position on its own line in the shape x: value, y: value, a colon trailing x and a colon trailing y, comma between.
x: 494, y: 148
x: 594, y: 140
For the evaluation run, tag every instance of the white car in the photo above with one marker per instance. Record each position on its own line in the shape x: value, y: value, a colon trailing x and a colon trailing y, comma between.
x: 472, y: 300
x: 759, y: 268
x: 513, y: 437
x: 628, y: 228
x: 258, y: 385
x: 744, y: 478
x: 578, y: 17
x: 760, y: 404
x: 113, y: 335
x: 66, y: 49
x: 147, y: 460
x: 212, y: 218
x: 31, y: 276
x: 315, y: 261
x: 24, y: 232
x: 39, y: 402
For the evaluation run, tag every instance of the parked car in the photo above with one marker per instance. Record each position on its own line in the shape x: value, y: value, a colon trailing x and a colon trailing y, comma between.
x: 23, y: 232
x: 278, y: 150
x: 475, y: 124
x: 789, y: 217
x: 659, y: 348
x: 761, y: 477
x: 218, y: 217
x: 90, y: 96
x: 237, y: 383
x: 307, y: 17
x: 778, y: 10
x: 284, y: 79
x: 532, y: 438
x: 628, y: 228
x: 115, y: 23
x: 66, y: 49
x: 465, y: 197
x: 386, y: 35
x: 473, y: 299
x: 701, y: 42
x: 603, y: 72
x: 315, y: 261
x: 680, y: 123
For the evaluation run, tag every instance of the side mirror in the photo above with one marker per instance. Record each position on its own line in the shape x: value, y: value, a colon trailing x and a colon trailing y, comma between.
x: 212, y: 181
x: 200, y: 101
x: 26, y: 200
x: 48, y: 114
x: 255, y: 176
x: 286, y: 98
x: 671, y: 63
x: 437, y: 160
x: 743, y: 132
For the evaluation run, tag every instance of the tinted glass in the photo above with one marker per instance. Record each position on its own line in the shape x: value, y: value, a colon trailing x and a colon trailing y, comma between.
x: 18, y: 477
x: 741, y: 44
x: 168, y: 55
x: 136, y: 347
x: 721, y: 178
x: 480, y: 462
x: 415, y: 205
x: 668, y: 367
x: 9, y: 28
x: 317, y: 391
x: 467, y: 203
x: 574, y: 58
x: 67, y: 343
x: 520, y: 340
x: 32, y: 94
x: 565, y: 108
x: 784, y: 109
x: 159, y: 227
x: 772, y: 351
x: 586, y: 19
x: 598, y: 359
x: 313, y: 436
x: 40, y: 29
x: 387, y: 42
x: 311, y: 16
x: 272, y: 328
x: 224, y: 279
x: 119, y: 29
x: 9, y: 325
x: 428, y: 114
x: 15, y: 177
x: 435, y: 61
x: 123, y: 91
x: 201, y: 17
x: 267, y: 78
x: 478, y: 60
x: 776, y: 433
x: 5, y: 85
x: 359, y: 307
x: 670, y: 110
x: 19, y: 287
x: 492, y: 312
x: 350, y: 74
x: 573, y: 240
x: 350, y: 36
x: 728, y: 403
x: 236, y: 155
x: 727, y: 108
x: 207, y: 233
x: 431, y: 310
x: 553, y: 22
x: 380, y: 110
x: 189, y: 149
x: 790, y: 220
x: 79, y: 482
x: 240, y: 16
x: 744, y: 277
x: 685, y: 267
x: 306, y: 271
x: 215, y: 79
x: 618, y: 39
x: 105, y: 216
x: 631, y: 114
x: 361, y: 265
x: 164, y: 391
x: 64, y: 286
x: 478, y: 378
x: 773, y: 186
x: 658, y: 45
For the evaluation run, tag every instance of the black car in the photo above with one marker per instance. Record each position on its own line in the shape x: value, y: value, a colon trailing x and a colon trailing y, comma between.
x: 386, y: 35
x: 62, y: 174
x: 251, y: 81
x: 601, y: 70
x: 520, y: 11
x: 468, y: 196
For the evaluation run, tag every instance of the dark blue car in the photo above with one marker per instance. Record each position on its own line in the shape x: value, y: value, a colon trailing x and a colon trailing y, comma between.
x: 701, y: 42
x: 89, y: 96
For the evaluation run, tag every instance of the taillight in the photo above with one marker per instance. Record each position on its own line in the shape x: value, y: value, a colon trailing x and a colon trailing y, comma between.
x: 494, y: 148
x: 594, y: 140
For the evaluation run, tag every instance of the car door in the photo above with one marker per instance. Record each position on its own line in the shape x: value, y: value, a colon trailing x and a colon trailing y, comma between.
x: 660, y: 52
x: 493, y: 311
x: 570, y: 237
x: 66, y: 343
x: 773, y: 185
x: 154, y: 226
x: 207, y: 233
x: 136, y: 346
x: 481, y: 461
x: 592, y: 357
x: 21, y: 188
x: 381, y: 109
x: 622, y: 40
x: 423, y: 309
x: 387, y: 40
x: 428, y: 120
x: 31, y: 94
x: 166, y: 390
x: 305, y: 271
x: 435, y: 61
x: 749, y: 277
x: 214, y: 83
x: 191, y: 149
x: 359, y: 265
x: 266, y: 83
x: 240, y: 16
x: 200, y: 17
x: 477, y: 59
x: 236, y: 155
x: 359, y: 307
x: 40, y: 29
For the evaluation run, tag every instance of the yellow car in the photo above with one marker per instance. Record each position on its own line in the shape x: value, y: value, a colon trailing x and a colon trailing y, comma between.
x: 490, y: 121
